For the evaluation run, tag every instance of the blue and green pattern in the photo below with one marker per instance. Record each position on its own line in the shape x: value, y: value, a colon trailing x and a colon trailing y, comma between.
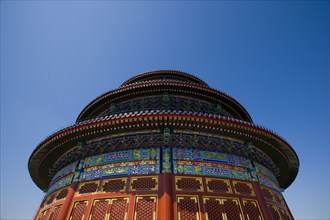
x: 64, y: 171
x: 208, y: 156
x: 66, y: 181
x: 211, y: 171
x: 166, y: 160
x: 209, y: 163
x: 120, y: 171
x: 122, y: 156
x: 266, y: 172
x: 263, y: 180
x: 175, y: 160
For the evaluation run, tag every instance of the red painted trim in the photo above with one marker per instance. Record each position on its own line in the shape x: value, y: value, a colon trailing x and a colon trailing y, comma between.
x: 165, y: 205
x: 65, y: 212
x: 262, y: 202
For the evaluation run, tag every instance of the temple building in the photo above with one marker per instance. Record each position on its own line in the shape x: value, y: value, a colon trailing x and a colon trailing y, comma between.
x: 164, y: 145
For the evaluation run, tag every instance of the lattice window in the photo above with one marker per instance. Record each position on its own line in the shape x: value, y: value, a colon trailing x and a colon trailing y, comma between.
x: 273, y: 210
x: 44, y: 215
x: 213, y: 208
x: 188, y: 184
x: 217, y: 185
x: 243, y: 188
x: 115, y: 185
x: 55, y: 213
x: 188, y: 207
x: 267, y: 193
x: 88, y: 188
x: 144, y: 183
x: 119, y: 208
x: 50, y: 199
x: 285, y: 215
x: 145, y: 207
x: 279, y: 199
x: 232, y: 209
x: 99, y: 209
x: 115, y: 208
x: 252, y: 210
x: 78, y: 210
x: 222, y: 208
x: 62, y: 194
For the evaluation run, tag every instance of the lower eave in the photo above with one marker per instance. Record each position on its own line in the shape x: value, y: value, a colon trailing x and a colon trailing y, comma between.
x: 60, y: 142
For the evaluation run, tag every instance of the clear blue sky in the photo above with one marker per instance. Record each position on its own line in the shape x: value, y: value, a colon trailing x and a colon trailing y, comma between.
x: 272, y: 56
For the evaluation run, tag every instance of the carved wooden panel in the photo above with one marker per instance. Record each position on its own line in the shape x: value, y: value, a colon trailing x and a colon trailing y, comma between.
x: 145, y: 207
x: 55, y: 212
x: 222, y: 208
x: 243, y: 188
x: 114, y: 185
x: 274, y: 211
x: 51, y: 198
x: 192, y: 184
x: 144, y: 183
x: 285, y: 214
x: 279, y: 198
x: 251, y: 209
x: 267, y: 193
x: 62, y: 194
x: 188, y: 208
x: 90, y: 187
x: 113, y: 208
x: 218, y: 185
x: 78, y: 210
x: 119, y: 208
x: 44, y: 214
x: 99, y: 209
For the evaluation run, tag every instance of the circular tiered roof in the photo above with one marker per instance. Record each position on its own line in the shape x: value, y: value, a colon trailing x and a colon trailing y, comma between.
x: 165, y: 75
x: 160, y: 81
x: 147, y: 104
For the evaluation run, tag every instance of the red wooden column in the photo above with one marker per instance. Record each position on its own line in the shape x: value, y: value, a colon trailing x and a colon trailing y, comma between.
x: 165, y: 205
x: 66, y: 205
x: 262, y: 202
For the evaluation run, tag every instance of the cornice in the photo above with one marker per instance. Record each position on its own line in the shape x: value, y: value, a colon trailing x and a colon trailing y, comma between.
x: 268, y: 142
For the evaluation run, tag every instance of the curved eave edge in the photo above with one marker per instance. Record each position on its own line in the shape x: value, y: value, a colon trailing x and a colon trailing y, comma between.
x: 151, y: 83
x: 41, y: 150
x: 155, y: 72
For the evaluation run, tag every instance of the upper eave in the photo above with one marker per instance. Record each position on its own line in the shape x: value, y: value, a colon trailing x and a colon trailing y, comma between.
x: 166, y: 73
x: 140, y: 89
